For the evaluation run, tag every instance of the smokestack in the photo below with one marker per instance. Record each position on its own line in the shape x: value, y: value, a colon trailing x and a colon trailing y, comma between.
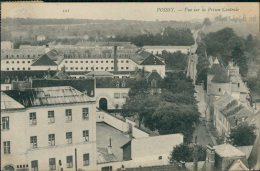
x: 115, y: 59
x: 109, y: 149
x: 195, y: 155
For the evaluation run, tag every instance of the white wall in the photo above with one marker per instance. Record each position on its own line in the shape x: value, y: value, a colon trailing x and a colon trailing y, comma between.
x: 108, y: 93
x: 14, y: 64
x: 21, y: 131
x: 6, y: 87
x: 137, y: 133
x: 43, y: 68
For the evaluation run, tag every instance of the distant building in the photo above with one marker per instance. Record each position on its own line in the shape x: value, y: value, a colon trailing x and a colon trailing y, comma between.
x: 7, y: 45
x: 52, y: 122
x: 86, y: 37
x: 158, y: 49
x: 41, y: 37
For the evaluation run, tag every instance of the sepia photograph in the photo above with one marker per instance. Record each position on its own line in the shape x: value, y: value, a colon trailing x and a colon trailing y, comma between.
x: 130, y: 86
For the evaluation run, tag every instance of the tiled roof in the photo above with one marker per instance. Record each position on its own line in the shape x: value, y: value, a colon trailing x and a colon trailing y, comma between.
x: 45, y: 60
x: 221, y: 76
x: 213, y: 70
x: 47, y: 96
x: 227, y: 150
x: 9, y: 103
x: 104, y: 157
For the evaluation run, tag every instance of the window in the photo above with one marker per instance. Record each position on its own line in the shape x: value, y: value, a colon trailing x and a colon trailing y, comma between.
x: 66, y: 61
x: 106, y: 61
x: 76, y: 68
x: 69, y: 162
x: 29, y: 68
x: 18, y: 62
x: 81, y: 68
x: 69, y: 137
x: 51, y: 118
x: 238, y: 84
x: 52, y: 164
x: 122, y: 67
x: 85, y: 159
x: 112, y: 61
x: 85, y: 135
x: 69, y: 114
x: 51, y: 139
x: 101, y: 67
x: 28, y: 56
x: 96, y: 61
x: 112, y: 67
x: 33, y: 141
x: 124, y: 95
x: 71, y: 68
x: 101, y: 61
x: 18, y: 68
x: 23, y: 68
x: 126, y: 61
x: 85, y: 113
x: 7, y: 147
x: 7, y: 87
x: 71, y: 61
x: 86, y: 61
x: 7, y: 69
x: 12, y: 62
x: 66, y: 68
x: 96, y: 67
x: 122, y: 61
x: 117, y: 83
x: 34, y: 165
x: 116, y: 95
x: 91, y: 61
x: 81, y: 61
x: 6, y: 56
x: 160, y: 158
x: 29, y: 62
x: 123, y: 84
x: 126, y: 67
x: 76, y: 61
x: 12, y: 68
x: 86, y: 68
x: 33, y: 118
x: 7, y: 62
x: 17, y: 56
x: 23, y: 62
x: 219, y: 89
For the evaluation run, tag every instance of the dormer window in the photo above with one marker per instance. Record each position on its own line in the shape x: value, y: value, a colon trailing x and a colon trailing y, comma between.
x: 7, y: 79
x: 16, y: 79
x: 123, y: 84
x: 25, y: 79
x: 117, y: 84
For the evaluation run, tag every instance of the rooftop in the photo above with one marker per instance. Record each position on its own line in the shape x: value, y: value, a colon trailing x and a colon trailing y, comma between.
x: 47, y: 96
x: 44, y: 60
x: 227, y: 150
x: 221, y: 76
x: 104, y: 157
x: 9, y: 103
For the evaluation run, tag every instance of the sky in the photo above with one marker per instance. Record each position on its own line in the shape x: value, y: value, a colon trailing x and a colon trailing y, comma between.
x: 127, y: 11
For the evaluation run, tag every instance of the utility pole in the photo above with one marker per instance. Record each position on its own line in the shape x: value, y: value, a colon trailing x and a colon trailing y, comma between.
x: 76, y: 159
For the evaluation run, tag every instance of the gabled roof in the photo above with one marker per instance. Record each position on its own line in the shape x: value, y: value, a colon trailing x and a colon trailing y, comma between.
x: 47, y: 96
x: 45, y: 60
x: 152, y: 60
x: 254, y: 157
x: 221, y: 76
x: 224, y: 100
x: 9, y: 103
x: 227, y: 150
x: 153, y: 76
x: 245, y: 149
x: 238, y: 165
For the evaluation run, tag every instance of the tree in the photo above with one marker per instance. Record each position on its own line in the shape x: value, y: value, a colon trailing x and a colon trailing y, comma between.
x: 240, y: 59
x: 184, y: 152
x: 206, y: 22
x: 243, y: 134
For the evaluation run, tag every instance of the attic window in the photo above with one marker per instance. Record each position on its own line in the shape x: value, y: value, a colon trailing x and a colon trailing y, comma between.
x: 123, y: 84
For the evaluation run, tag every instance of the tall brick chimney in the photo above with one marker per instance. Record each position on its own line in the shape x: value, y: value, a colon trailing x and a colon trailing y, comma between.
x: 115, y: 59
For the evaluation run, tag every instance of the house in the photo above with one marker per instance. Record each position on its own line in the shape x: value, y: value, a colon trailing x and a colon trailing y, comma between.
x: 228, y: 113
x: 7, y: 45
x: 55, y: 122
x: 144, y: 151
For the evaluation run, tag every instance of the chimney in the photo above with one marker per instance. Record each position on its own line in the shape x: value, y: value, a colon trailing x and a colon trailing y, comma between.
x: 115, y: 59
x: 195, y: 155
x: 109, y: 149
x: 47, y: 49
x: 210, y: 158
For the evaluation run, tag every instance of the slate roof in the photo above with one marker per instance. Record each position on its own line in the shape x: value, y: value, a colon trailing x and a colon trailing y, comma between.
x: 227, y: 150
x: 221, y: 76
x: 47, y: 96
x: 104, y: 157
x: 214, y: 69
x: 9, y: 103
x: 35, y: 74
x: 44, y: 60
